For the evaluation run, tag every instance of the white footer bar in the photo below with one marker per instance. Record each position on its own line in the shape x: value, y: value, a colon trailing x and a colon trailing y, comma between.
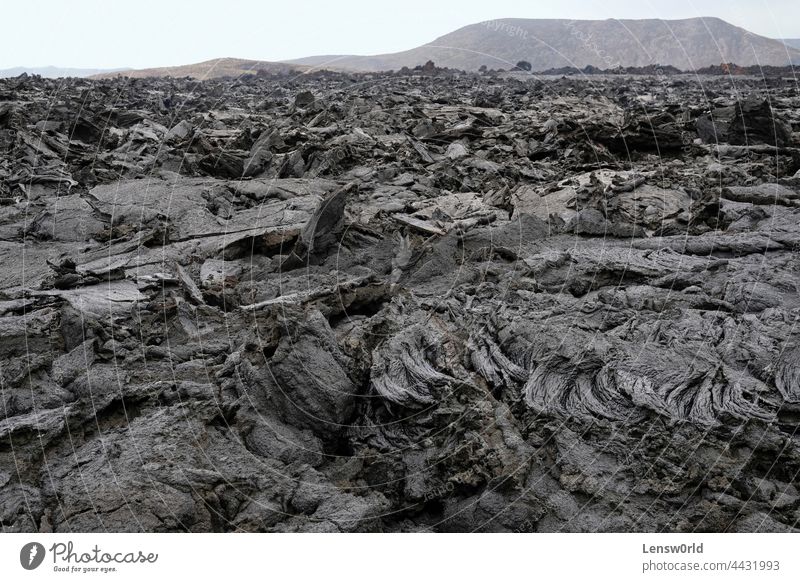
x: 388, y: 557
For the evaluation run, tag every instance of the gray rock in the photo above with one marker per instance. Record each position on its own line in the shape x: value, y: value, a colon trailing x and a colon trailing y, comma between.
x: 454, y: 303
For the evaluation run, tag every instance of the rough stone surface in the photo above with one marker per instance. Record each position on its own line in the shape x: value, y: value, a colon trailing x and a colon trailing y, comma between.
x: 423, y: 301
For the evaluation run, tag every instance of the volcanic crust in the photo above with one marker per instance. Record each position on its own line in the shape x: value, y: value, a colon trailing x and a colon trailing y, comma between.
x: 429, y: 301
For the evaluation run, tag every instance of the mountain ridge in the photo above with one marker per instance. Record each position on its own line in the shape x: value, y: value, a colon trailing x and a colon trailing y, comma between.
x: 213, y: 68
x: 53, y: 72
x: 547, y: 44
x: 687, y: 44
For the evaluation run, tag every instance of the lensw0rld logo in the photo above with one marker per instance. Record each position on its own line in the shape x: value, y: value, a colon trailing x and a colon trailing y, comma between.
x: 31, y: 555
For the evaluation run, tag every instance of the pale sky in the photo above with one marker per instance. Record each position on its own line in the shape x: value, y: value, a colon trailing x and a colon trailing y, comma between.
x: 150, y: 33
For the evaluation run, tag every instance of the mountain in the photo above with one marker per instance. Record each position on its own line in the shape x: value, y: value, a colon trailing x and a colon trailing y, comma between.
x: 499, y: 44
x: 54, y: 72
x: 686, y: 44
x: 215, y: 68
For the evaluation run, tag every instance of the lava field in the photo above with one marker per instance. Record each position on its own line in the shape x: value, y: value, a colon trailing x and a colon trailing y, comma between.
x: 429, y: 301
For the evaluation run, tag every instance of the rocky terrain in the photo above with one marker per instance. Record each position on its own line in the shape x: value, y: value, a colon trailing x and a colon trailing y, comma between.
x: 424, y: 302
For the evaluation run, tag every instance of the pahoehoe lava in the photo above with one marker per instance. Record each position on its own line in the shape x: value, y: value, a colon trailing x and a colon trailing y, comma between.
x: 428, y: 301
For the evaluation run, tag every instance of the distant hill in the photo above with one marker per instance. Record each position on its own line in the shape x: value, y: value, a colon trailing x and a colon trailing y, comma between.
x: 688, y: 44
x: 215, y: 68
x: 547, y: 44
x: 54, y: 72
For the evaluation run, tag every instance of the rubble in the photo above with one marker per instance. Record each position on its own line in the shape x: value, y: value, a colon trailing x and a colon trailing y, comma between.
x: 400, y: 302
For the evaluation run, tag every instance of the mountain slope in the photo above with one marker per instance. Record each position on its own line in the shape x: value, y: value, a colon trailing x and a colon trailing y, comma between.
x: 792, y: 42
x: 687, y: 44
x: 212, y: 69
x: 55, y: 72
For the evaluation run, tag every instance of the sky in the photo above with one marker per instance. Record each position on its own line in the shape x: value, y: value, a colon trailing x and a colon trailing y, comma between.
x: 151, y: 33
